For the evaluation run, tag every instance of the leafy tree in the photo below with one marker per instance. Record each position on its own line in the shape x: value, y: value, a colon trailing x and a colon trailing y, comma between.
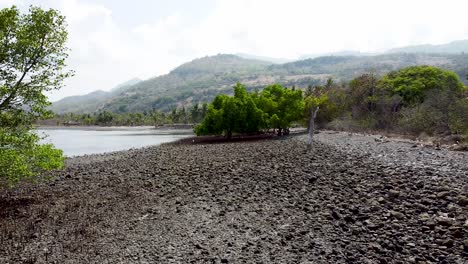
x: 228, y: 115
x: 204, y: 110
x: 287, y: 105
x: 158, y: 118
x: 32, y: 62
x: 105, y: 118
x: 427, y: 96
x: 32, y: 59
x: 458, y: 116
x: 22, y: 158
x: 413, y: 83
x: 363, y: 94
x: 195, y: 113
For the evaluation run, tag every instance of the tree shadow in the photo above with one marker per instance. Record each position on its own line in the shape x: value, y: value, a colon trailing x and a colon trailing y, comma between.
x: 10, y: 207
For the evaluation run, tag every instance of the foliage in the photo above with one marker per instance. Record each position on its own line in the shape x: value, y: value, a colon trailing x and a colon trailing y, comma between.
x: 32, y: 59
x: 228, y: 115
x: 153, y: 118
x: 413, y: 83
x: 23, y: 158
x: 330, y: 98
x: 411, y: 100
x: 32, y: 62
x: 281, y: 106
x: 458, y: 116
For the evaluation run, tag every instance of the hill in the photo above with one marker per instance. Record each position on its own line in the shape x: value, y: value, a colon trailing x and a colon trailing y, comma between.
x: 81, y: 103
x: 459, y: 46
x: 201, y: 79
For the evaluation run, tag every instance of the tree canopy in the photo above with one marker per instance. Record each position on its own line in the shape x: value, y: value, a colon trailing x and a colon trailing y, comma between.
x: 275, y: 107
x: 232, y: 114
x: 281, y: 106
x: 413, y: 83
x: 32, y: 62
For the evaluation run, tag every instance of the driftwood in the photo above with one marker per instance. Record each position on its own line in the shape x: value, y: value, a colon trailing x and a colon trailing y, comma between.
x: 313, y: 115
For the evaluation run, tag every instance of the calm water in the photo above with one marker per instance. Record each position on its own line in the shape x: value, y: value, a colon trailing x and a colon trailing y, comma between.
x: 75, y: 142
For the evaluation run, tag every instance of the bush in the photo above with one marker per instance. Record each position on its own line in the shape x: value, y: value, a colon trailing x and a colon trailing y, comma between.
x: 23, y: 158
x: 458, y: 117
x: 414, y: 83
x: 431, y: 116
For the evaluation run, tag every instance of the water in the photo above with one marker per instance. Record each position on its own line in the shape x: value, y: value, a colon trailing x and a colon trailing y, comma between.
x: 76, y: 142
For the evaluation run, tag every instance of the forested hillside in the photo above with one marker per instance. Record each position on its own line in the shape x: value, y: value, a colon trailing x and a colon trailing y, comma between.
x: 459, y: 46
x: 202, y: 79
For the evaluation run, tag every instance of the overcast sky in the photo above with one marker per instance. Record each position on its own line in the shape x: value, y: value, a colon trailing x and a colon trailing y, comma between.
x: 114, y: 41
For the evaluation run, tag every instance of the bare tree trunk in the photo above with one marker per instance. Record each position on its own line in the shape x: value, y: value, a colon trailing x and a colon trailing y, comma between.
x: 313, y: 115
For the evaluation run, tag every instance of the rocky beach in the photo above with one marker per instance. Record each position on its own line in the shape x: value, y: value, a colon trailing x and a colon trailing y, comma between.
x: 352, y: 199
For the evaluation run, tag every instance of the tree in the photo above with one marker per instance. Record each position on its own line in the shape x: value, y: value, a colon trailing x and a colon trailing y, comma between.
x: 458, y: 117
x: 32, y: 62
x: 232, y: 114
x: 311, y: 126
x: 413, y: 83
x: 287, y: 105
x: 32, y: 59
x: 104, y: 118
x: 426, y: 96
x: 195, y: 113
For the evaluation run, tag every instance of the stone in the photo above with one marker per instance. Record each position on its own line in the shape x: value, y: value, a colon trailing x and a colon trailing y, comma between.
x: 448, y: 243
x: 393, y: 194
x: 336, y: 215
x: 441, y: 195
x: 444, y: 221
x: 462, y: 200
x: 424, y: 217
x: 397, y: 215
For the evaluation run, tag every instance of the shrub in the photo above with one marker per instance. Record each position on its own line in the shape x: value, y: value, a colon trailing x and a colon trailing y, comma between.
x: 458, y: 117
x: 23, y: 158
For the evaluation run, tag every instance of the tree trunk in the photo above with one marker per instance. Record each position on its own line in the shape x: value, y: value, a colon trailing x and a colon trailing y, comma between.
x: 313, y: 115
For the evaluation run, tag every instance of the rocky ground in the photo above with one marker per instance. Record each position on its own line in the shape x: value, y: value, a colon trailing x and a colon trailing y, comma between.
x: 352, y: 199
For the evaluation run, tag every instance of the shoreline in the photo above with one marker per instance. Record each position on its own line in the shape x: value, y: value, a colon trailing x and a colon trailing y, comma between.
x: 350, y: 199
x: 110, y: 128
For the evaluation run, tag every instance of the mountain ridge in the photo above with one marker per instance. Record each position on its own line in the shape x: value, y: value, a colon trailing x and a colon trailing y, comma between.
x: 458, y: 46
x: 201, y: 79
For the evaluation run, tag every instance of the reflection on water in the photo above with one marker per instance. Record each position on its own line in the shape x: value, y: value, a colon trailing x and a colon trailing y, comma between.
x: 75, y: 142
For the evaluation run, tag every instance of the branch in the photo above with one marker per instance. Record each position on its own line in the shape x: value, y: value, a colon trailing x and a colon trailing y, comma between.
x: 15, y: 87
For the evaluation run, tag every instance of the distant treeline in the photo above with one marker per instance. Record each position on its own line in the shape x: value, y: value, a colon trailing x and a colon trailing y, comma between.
x: 182, y: 115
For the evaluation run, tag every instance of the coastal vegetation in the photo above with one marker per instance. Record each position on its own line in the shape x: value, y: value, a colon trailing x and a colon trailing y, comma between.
x: 182, y: 115
x: 412, y: 100
x: 32, y: 62
x: 274, y: 107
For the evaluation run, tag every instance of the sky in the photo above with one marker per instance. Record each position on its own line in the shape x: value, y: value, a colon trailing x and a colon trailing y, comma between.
x: 114, y: 41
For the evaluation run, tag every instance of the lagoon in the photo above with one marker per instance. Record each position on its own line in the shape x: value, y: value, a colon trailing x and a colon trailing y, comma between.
x: 96, y: 140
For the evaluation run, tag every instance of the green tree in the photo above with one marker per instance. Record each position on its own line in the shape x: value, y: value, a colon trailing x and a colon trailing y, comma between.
x: 105, y: 118
x: 458, y: 117
x: 195, y: 113
x: 32, y: 62
x: 158, y: 118
x: 413, y: 83
x: 428, y: 95
x: 287, y: 105
x: 232, y: 114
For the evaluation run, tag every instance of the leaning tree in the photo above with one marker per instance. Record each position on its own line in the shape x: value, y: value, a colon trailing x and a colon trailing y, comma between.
x: 32, y: 62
